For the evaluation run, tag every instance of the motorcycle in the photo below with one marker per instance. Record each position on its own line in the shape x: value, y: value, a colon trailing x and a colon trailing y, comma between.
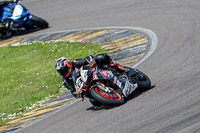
x: 15, y: 18
x: 108, y: 86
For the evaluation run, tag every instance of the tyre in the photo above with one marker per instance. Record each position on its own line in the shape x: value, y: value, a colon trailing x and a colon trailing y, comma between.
x: 113, y: 97
x: 142, y: 80
x: 95, y: 102
x: 5, y: 34
x: 39, y: 22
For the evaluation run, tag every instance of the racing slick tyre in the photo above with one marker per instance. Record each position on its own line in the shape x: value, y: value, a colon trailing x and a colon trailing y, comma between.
x: 95, y: 102
x: 39, y: 22
x: 113, y: 97
x: 143, y: 81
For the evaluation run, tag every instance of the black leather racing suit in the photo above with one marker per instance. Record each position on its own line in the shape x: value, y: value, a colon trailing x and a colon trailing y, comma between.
x: 77, y: 63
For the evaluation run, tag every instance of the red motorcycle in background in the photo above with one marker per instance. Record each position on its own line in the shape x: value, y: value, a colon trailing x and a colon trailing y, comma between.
x: 108, y: 86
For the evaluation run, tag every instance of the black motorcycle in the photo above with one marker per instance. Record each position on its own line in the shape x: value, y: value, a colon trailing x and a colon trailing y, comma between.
x: 108, y: 86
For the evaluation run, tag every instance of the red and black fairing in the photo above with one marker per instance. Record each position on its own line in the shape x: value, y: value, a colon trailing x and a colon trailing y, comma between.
x: 85, y: 80
x: 103, y: 75
x: 84, y: 83
x: 106, y: 75
x: 100, y: 75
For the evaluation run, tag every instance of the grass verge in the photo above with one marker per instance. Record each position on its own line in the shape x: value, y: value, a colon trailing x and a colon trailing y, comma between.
x: 28, y: 76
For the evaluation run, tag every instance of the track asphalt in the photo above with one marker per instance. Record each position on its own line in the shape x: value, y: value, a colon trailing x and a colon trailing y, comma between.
x: 173, y: 104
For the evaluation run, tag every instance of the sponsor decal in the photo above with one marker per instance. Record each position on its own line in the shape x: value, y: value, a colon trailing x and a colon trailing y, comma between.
x: 107, y: 74
x: 119, y: 83
x: 84, y: 75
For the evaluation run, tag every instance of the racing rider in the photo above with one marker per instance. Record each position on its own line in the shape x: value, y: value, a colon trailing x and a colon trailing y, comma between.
x: 65, y: 67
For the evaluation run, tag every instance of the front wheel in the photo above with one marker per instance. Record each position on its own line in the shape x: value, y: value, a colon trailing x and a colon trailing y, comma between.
x: 143, y: 81
x: 107, y: 95
x: 39, y: 22
x: 95, y: 102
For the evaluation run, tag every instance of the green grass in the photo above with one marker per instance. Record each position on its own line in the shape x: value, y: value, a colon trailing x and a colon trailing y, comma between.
x: 28, y: 75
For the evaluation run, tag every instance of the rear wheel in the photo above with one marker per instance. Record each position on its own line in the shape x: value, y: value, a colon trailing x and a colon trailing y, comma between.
x: 107, y: 95
x: 39, y: 22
